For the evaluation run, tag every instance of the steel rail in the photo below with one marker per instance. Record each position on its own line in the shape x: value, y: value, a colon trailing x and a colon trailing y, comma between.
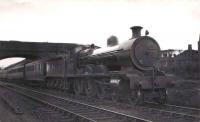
x: 175, y: 111
x: 47, y: 103
x: 177, y: 106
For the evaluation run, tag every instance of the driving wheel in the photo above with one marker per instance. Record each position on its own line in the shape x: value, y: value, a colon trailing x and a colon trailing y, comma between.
x: 136, y: 96
x: 90, y: 88
x: 78, y: 87
x: 101, y: 92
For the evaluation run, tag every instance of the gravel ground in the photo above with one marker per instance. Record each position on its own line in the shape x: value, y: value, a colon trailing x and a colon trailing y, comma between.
x: 185, y: 92
x: 123, y: 108
x: 7, y: 114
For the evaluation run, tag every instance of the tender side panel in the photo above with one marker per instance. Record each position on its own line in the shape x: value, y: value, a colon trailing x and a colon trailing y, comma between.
x: 35, y: 70
x: 55, y: 68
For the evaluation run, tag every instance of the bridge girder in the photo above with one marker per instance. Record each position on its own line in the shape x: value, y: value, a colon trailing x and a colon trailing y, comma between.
x: 32, y: 50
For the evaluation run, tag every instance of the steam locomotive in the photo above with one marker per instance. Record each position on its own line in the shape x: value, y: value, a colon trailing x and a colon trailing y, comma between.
x: 120, y: 71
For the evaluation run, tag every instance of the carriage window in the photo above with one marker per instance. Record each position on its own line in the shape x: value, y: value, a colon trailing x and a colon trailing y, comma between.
x: 40, y: 67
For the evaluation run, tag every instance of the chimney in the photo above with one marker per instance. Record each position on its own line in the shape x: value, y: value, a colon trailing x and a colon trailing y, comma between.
x: 199, y: 43
x: 189, y: 47
x: 199, y: 37
x: 136, y: 31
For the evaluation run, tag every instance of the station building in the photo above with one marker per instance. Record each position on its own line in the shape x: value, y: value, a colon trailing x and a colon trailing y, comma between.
x: 183, y: 64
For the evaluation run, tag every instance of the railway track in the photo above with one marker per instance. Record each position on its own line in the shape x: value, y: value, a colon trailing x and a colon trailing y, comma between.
x: 188, y: 113
x: 160, y: 111
x: 81, y: 111
x: 149, y: 109
x: 174, y: 109
x: 36, y: 111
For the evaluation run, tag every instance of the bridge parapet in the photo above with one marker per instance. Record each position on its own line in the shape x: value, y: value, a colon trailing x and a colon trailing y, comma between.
x: 33, y: 49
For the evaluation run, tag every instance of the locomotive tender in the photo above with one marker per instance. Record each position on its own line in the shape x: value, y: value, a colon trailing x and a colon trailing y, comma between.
x: 123, y: 71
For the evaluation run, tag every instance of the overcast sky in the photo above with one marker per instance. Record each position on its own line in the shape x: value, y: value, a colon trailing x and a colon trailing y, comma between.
x: 173, y: 23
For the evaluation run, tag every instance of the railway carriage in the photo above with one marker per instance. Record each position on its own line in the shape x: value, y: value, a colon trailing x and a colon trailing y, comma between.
x: 15, y: 74
x: 3, y: 75
x: 35, y: 72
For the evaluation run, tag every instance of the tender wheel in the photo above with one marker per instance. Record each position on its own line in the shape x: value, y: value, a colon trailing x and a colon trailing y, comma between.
x: 137, y: 97
x: 52, y: 84
x: 56, y: 85
x: 101, y: 92
x: 78, y: 87
x: 162, y: 96
x: 90, y: 88
x: 47, y: 84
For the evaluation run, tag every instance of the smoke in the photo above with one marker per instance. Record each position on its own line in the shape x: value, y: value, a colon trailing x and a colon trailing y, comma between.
x: 14, y: 5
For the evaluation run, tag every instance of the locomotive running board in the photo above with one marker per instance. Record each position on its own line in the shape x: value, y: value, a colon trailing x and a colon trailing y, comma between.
x: 96, y: 75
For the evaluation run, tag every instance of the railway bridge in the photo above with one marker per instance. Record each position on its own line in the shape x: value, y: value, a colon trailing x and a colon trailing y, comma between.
x: 32, y: 50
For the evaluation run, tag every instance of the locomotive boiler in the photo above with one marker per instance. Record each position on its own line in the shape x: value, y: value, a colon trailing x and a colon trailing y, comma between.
x: 140, y: 52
